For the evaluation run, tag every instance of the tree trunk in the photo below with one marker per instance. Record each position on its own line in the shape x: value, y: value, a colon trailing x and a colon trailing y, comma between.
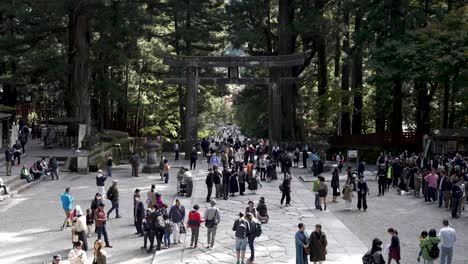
x: 345, y: 116
x: 321, y: 48
x: 357, y: 79
x: 445, y: 109
x: 286, y: 46
x: 379, y: 108
x: 80, y: 71
x: 397, y: 118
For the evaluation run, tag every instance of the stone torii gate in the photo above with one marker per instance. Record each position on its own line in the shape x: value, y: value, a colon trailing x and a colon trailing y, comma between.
x: 192, y: 65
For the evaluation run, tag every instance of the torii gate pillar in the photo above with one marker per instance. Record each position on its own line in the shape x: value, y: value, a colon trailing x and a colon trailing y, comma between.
x: 191, y: 110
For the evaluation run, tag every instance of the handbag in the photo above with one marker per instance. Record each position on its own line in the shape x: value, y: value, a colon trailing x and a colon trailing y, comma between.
x: 307, y: 251
x: 211, y: 223
x: 182, y: 230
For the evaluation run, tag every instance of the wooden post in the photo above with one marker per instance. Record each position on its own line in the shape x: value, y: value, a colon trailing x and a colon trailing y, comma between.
x: 274, y: 107
x: 191, y: 111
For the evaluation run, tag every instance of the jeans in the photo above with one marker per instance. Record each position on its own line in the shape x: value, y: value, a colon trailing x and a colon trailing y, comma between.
x: 17, y: 155
x: 138, y: 226
x: 194, y: 238
x: 455, y: 206
x: 211, y: 235
x: 208, y: 196
x: 115, y: 205
x: 54, y: 172
x: 317, y: 201
x: 252, y: 248
x: 135, y: 169
x: 225, y: 190
x: 431, y: 196
x: 262, y: 173
x: 446, y: 255
x: 286, y: 195
x: 441, y: 197
x: 167, y: 238
x: 109, y: 171
x: 362, y: 197
x: 218, y: 190
x: 193, y: 163
x: 166, y: 178
x: 101, y: 230
x: 382, y: 185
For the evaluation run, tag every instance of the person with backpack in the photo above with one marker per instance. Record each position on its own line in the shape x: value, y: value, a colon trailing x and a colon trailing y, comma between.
x: 318, y: 245
x: 374, y: 255
x: 241, y: 229
x: 255, y: 231
x: 177, y: 216
x: 212, y: 219
x: 429, y: 247
x: 194, y: 222
x: 394, y: 249
x: 285, y: 189
x: 156, y: 226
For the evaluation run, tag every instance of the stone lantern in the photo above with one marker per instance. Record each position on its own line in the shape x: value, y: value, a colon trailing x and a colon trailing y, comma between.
x: 152, y: 163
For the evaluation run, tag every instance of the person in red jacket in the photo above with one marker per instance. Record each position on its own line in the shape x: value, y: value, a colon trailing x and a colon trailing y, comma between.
x: 194, y: 221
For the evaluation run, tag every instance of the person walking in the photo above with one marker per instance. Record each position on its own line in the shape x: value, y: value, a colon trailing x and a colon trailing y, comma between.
x: 77, y: 255
x: 176, y: 150
x: 135, y: 162
x: 335, y: 184
x: 23, y: 137
x: 194, y: 222
x: 285, y: 188
x: 53, y: 168
x: 302, y: 245
x: 188, y: 183
x: 318, y: 245
x: 177, y: 216
x: 17, y: 152
x: 67, y: 205
x: 322, y: 191
x: 374, y: 255
x: 8, y: 160
x: 448, y: 237
x: 79, y: 228
x: 427, y: 246
x: 241, y: 229
x: 193, y: 158
x: 212, y: 218
x: 362, y: 192
x: 100, y: 256
x: 209, y: 181
x: 113, y: 195
x: 109, y: 165
x: 348, y: 193
x: 382, y: 180
x: 394, y: 249
x: 315, y: 186
x: 100, y: 183
x: 100, y: 218
x: 255, y: 230
x: 2, y: 185
x: 166, y: 169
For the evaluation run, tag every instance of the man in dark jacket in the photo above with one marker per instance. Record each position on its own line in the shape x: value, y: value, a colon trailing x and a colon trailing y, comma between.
x: 226, y: 177
x: 193, y: 158
x: 457, y: 194
x: 8, y: 159
x: 362, y: 191
x: 209, y: 184
x: 217, y: 181
x: 138, y: 212
x: 113, y: 196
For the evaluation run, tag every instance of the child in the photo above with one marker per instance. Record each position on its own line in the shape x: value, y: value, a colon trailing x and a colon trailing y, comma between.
x: 168, y: 229
x: 421, y: 237
x: 89, y: 221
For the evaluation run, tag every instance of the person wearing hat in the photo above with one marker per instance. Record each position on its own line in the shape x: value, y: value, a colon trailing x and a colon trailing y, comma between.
x: 56, y: 259
x: 100, y: 219
x: 79, y: 227
x: 100, y: 183
x: 212, y: 218
x: 113, y: 196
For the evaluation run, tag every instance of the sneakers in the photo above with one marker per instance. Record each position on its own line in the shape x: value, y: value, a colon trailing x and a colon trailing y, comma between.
x: 108, y: 246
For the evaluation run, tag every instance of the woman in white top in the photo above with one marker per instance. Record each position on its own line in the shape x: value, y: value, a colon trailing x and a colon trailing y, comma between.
x: 77, y: 255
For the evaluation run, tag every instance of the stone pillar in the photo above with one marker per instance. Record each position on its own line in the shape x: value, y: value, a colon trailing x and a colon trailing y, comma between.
x: 191, y: 110
x: 152, y: 162
x: 274, y: 107
x: 14, y: 134
x: 1, y: 133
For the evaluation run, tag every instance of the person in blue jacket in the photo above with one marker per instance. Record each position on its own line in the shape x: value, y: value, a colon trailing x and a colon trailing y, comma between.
x: 67, y: 204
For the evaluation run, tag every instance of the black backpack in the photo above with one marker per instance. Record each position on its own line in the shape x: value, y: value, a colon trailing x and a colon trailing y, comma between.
x: 258, y: 229
x: 434, y: 251
x: 368, y: 258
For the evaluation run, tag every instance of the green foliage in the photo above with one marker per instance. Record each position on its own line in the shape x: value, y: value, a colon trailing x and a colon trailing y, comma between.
x: 250, y: 108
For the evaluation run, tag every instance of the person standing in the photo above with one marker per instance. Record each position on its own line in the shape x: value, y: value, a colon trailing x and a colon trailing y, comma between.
x: 166, y: 169
x: 394, y: 250
x: 113, y: 196
x: 242, y: 178
x: 302, y: 243
x: 194, y: 222
x: 335, y: 184
x: 305, y: 156
x: 286, y: 191
x: 3, y: 186
x: 375, y: 253
x: 233, y: 183
x: 226, y: 178
x: 100, y: 183
x: 448, y: 237
x: 212, y: 218
x: 382, y: 180
x: 426, y: 246
x: 109, y: 165
x: 297, y: 153
x: 254, y: 231
x: 151, y: 201
x: 176, y: 150
x: 95, y: 204
x: 361, y: 168
x: 209, y: 181
x: 53, y: 168
x: 262, y: 211
x: 135, y: 162
x: 362, y: 192
x: 322, y: 191
x: 177, y: 216
x: 193, y: 158
x: 79, y: 228
x: 17, y: 152
x: 23, y: 137
x: 318, y: 245
x: 78, y: 255
x: 214, y: 160
x: 8, y: 160
x: 100, y: 256
x: 457, y: 195
x: 241, y: 229
x: 67, y: 204
x: 251, y: 209
x: 138, y: 213
x: 431, y: 180
x: 100, y: 218
x: 348, y: 193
